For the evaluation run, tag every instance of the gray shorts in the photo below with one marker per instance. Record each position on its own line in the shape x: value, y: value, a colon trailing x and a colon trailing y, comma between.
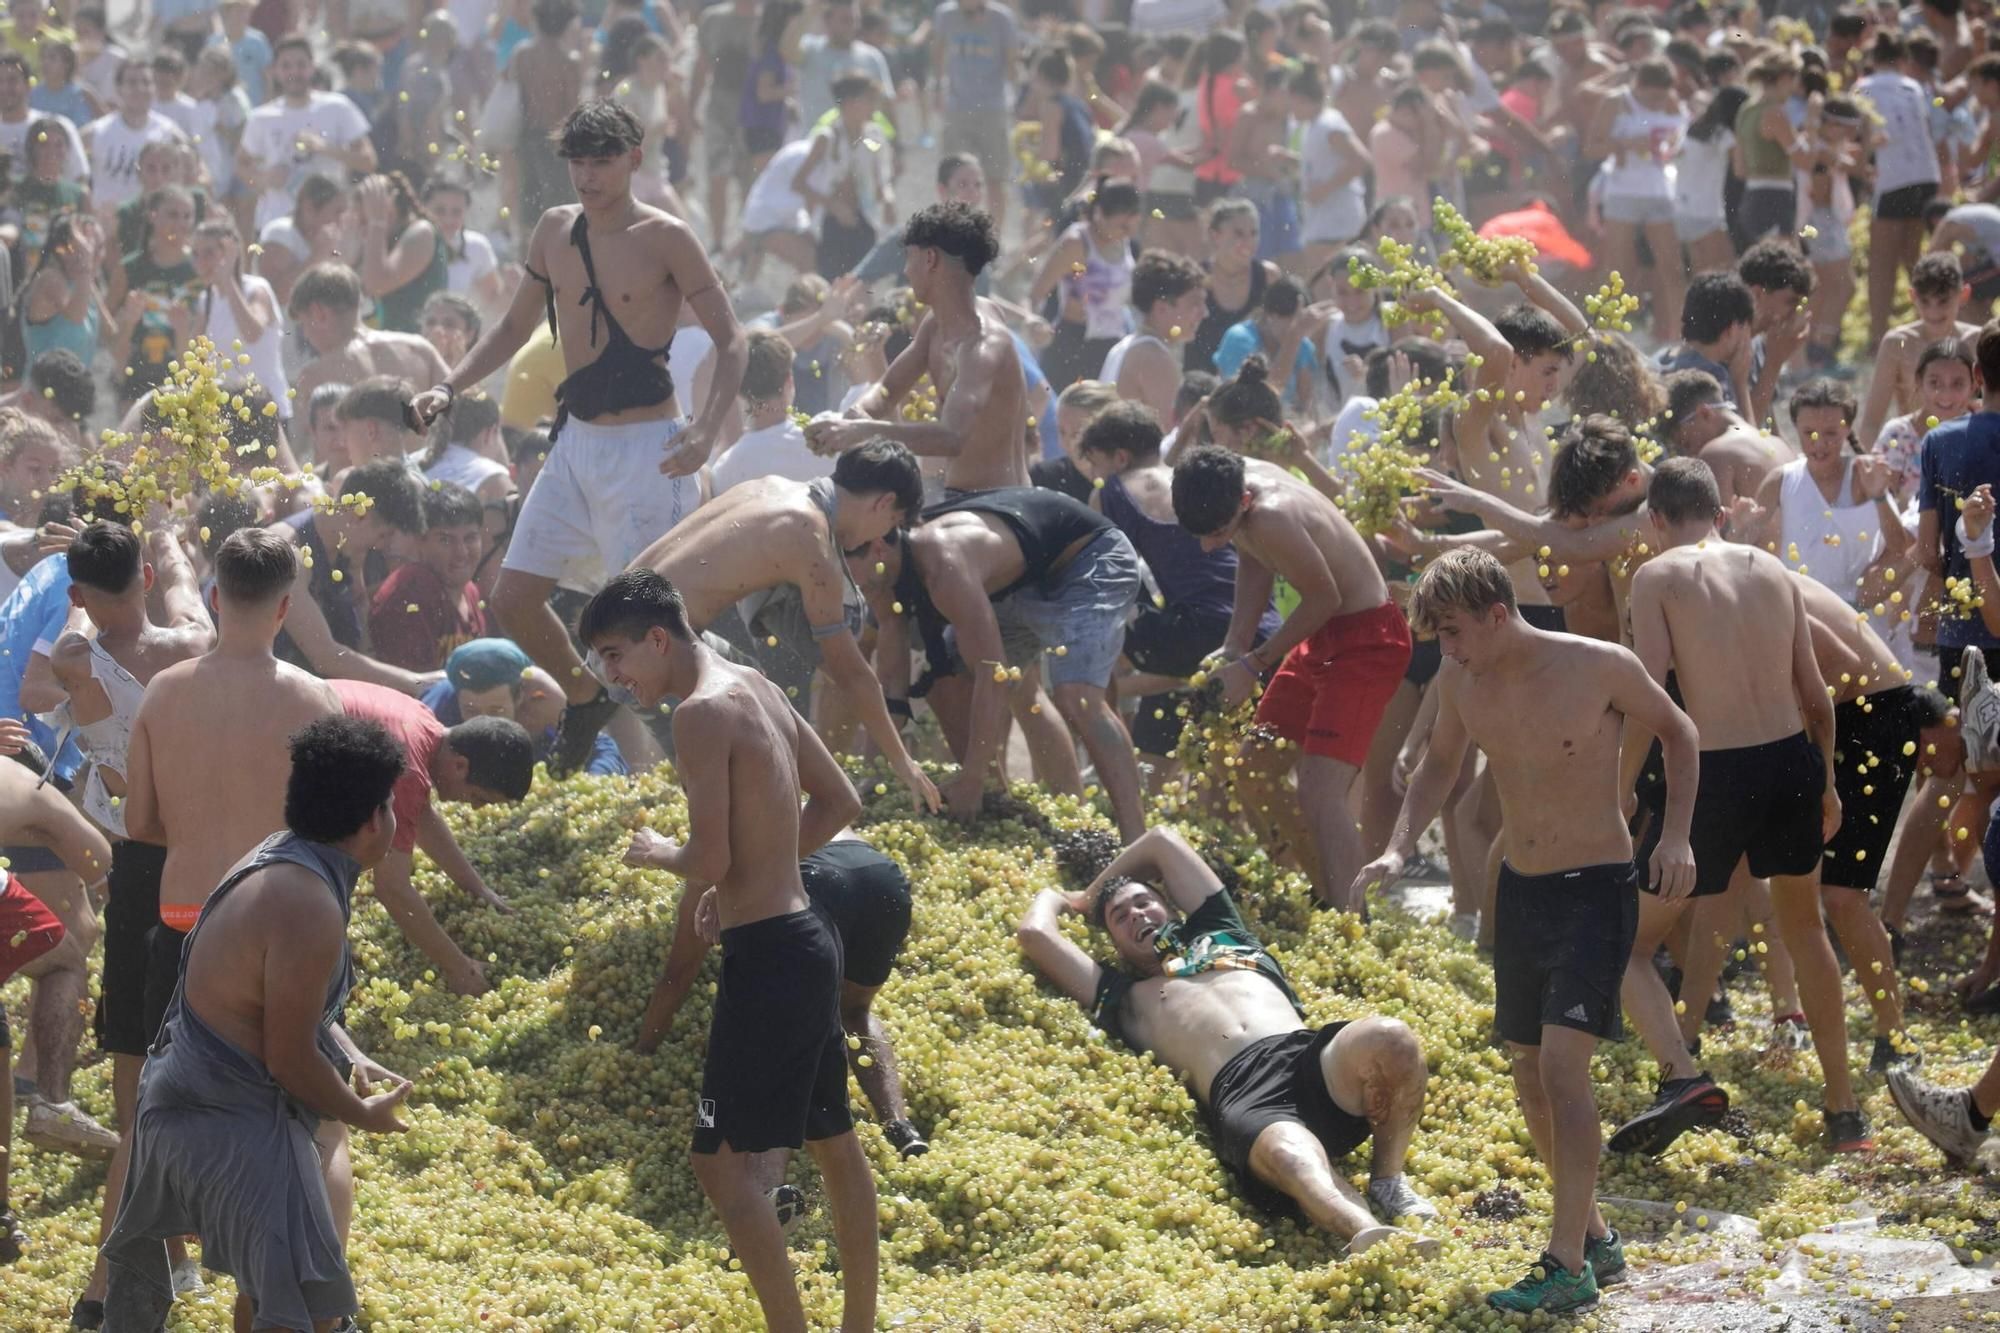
x: 1830, y: 243
x: 722, y: 146
x: 1078, y: 619
x: 1690, y: 230
x: 1637, y: 211
x: 779, y: 613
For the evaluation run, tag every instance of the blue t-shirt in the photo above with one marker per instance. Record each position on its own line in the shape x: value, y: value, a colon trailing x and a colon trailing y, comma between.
x: 65, y: 101
x: 1952, y: 462
x: 1031, y: 370
x: 253, y: 57
x: 977, y: 53
x: 31, y: 620
x: 606, y: 760
x: 1243, y: 339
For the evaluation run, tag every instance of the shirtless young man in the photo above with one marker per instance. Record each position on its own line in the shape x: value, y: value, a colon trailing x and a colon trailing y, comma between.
x: 1701, y: 425
x: 112, y: 572
x: 610, y: 275
x: 788, y: 540
x: 1937, y: 288
x: 1338, y: 657
x: 1548, y: 710
x: 326, y: 307
x: 1283, y: 1101
x: 995, y: 583
x: 1730, y: 622
x: 251, y: 1072
x: 776, y: 1073
x: 974, y: 368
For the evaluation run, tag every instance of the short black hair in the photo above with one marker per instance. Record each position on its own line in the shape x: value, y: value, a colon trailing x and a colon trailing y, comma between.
x: 631, y: 603
x: 331, y: 284
x: 1162, y: 275
x: 1823, y: 392
x: 959, y: 230
x: 853, y: 84
x: 451, y: 303
x: 767, y: 365
x: 1208, y: 488
x: 553, y: 17
x: 1688, y: 391
x: 950, y: 163
x: 1249, y: 397
x: 1953, y: 349
x: 881, y: 466
x: 1195, y: 386
x: 472, y: 414
x: 498, y: 752
x: 1776, y: 265
x: 254, y: 566
x: 378, y: 398
x: 449, y: 505
x: 344, y: 769
x: 60, y: 375
x: 1683, y: 489
x: 1126, y: 425
x: 1532, y: 331
x: 599, y: 127
x: 1715, y: 303
x: 1592, y: 456
x: 393, y: 490
x: 222, y: 514
x: 1283, y: 298
x: 1937, y: 274
x: 1429, y: 364
x: 105, y: 556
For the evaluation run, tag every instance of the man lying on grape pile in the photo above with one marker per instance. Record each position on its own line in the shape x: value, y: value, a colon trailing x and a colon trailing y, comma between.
x: 772, y: 552
x: 776, y: 1073
x: 1283, y: 1101
x: 240, y: 1137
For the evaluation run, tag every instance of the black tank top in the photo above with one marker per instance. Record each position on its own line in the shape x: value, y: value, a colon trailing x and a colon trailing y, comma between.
x: 1207, y: 338
x: 1046, y: 523
x: 625, y: 375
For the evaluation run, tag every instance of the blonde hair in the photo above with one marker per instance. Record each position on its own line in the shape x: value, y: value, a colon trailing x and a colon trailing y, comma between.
x: 1462, y: 579
x: 1088, y: 396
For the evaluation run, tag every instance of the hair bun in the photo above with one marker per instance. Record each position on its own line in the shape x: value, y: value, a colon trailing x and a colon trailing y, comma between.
x: 1255, y: 370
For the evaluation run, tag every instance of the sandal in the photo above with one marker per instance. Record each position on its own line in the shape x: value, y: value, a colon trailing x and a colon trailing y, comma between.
x: 1951, y: 893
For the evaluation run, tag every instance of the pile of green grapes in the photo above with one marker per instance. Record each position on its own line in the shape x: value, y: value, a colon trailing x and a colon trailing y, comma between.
x: 544, y: 1183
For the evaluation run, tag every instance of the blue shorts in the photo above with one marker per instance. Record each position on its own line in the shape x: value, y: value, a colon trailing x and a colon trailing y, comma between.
x: 1081, y: 611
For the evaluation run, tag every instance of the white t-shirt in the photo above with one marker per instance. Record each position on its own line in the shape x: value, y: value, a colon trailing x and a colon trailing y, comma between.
x: 14, y: 142
x: 1907, y: 155
x: 1340, y: 337
x: 1157, y: 18
x: 772, y: 204
x: 1341, y: 215
x: 462, y: 466
x: 271, y: 137
x: 180, y: 109
x: 266, y: 354
x: 114, y: 155
x: 284, y: 232
x: 474, y: 260
x: 691, y: 346
x: 472, y: 19
x: 774, y: 451
x: 1701, y: 171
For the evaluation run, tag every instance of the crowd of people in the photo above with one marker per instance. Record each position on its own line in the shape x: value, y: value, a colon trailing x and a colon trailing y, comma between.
x: 1042, y: 449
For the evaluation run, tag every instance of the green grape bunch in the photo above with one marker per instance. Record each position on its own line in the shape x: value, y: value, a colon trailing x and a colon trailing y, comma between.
x: 1486, y: 260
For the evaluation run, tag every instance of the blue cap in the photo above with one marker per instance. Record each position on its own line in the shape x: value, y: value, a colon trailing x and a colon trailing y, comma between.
x: 484, y: 663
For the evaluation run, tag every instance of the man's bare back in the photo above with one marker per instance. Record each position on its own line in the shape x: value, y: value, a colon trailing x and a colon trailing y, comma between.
x: 993, y: 454
x: 1733, y: 614
x: 214, y: 730
x: 751, y: 537
x: 747, y: 735
x: 1551, y: 736
x: 225, y: 974
x: 1286, y: 505
x: 375, y: 352
x: 1741, y: 457
x: 1868, y: 664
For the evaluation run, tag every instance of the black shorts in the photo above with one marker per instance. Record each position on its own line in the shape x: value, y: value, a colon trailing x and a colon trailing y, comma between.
x: 1168, y: 641
x: 31, y: 859
x: 1560, y: 944
x: 1871, y: 774
x: 866, y: 898
x: 1207, y: 192
x: 1425, y: 659
x: 1171, y: 206
x: 129, y: 917
x: 1274, y: 1081
x: 758, y: 140
x: 164, y: 953
x: 776, y: 1072
x: 1982, y: 275
x: 1906, y: 204
x: 1759, y: 801
x: 1768, y: 211
x: 1549, y: 618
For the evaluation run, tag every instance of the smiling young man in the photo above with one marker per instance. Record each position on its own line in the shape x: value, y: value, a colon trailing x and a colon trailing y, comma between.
x: 1549, y: 711
x: 776, y: 1073
x: 611, y: 275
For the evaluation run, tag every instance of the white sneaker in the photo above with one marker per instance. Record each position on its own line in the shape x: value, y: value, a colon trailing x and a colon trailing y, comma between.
x: 1939, y: 1114
x: 1390, y: 1198
x: 187, y: 1278
x: 67, y: 1127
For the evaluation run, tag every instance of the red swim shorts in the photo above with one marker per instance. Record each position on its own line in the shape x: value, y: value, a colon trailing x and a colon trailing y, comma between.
x: 28, y: 929
x: 1331, y: 691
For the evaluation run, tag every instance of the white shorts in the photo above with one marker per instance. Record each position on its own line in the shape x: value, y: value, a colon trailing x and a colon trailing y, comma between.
x: 600, y: 494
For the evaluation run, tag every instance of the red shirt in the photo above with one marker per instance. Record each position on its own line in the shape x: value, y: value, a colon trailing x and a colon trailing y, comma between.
x: 421, y: 639
x: 419, y: 733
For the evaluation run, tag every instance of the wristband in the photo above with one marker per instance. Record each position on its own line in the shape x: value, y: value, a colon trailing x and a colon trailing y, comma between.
x: 1250, y: 663
x: 899, y: 708
x: 1972, y: 548
x: 450, y: 395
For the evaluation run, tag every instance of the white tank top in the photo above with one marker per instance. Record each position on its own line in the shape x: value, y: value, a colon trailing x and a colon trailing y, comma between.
x: 1104, y: 288
x: 1644, y: 174
x: 1834, y: 542
x: 1114, y: 360
x: 267, y: 362
x: 105, y: 741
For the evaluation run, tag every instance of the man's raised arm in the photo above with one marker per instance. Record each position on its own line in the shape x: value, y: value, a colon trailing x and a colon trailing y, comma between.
x: 1068, y: 968
x: 496, y: 347
x: 1185, y: 879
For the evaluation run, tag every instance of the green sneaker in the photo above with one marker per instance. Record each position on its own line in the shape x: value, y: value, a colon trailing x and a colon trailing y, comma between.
x: 1548, y: 1287
x: 1606, y: 1256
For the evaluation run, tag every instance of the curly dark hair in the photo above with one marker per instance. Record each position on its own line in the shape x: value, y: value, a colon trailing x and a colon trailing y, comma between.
x: 959, y: 230
x: 599, y: 127
x: 1593, y: 454
x: 344, y: 769
x: 394, y: 492
x: 1208, y: 488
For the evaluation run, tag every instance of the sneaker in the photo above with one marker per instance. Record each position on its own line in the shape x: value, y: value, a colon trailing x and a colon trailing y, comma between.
x: 187, y: 1278
x: 904, y: 1136
x: 13, y: 1240
x: 1548, y: 1287
x: 1886, y: 1056
x: 580, y: 725
x: 87, y: 1314
x: 67, y: 1127
x: 1720, y: 1013
x: 1940, y: 1114
x: 1606, y: 1256
x: 1682, y: 1104
x: 1790, y: 1033
x: 789, y: 1201
x: 1391, y: 1199
x: 1847, y: 1131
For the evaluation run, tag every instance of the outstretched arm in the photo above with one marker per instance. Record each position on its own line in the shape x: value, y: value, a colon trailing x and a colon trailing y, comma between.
x: 1067, y: 967
x: 435, y: 837
x: 413, y: 916
x: 1599, y: 541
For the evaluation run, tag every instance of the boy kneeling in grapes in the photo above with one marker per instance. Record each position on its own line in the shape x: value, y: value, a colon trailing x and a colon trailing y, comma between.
x: 1282, y: 1100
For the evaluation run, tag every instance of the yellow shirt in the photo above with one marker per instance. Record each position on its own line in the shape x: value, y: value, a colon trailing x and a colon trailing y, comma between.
x: 532, y: 377
x: 30, y: 48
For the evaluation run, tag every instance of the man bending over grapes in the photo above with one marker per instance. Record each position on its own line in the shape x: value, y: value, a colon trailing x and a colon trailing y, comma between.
x: 1283, y: 1101
x: 776, y: 1074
